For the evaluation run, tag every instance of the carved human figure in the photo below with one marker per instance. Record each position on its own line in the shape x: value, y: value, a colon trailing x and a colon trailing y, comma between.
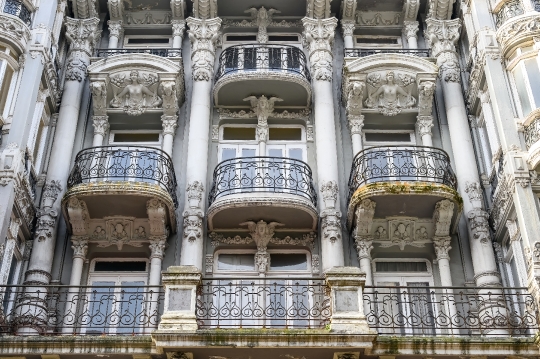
x: 390, y: 97
x: 135, y: 96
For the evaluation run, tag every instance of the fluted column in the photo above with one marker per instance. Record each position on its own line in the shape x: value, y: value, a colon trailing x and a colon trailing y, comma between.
x: 319, y: 34
x: 178, y: 28
x: 116, y: 30
x: 442, y: 36
x: 347, y: 26
x: 81, y: 34
x: 203, y: 35
x: 410, y: 30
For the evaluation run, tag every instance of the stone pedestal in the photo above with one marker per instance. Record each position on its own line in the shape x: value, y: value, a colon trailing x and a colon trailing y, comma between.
x: 346, y: 285
x: 180, y: 296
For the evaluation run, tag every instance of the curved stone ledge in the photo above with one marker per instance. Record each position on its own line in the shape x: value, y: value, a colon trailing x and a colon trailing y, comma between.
x: 14, y: 32
x: 517, y: 30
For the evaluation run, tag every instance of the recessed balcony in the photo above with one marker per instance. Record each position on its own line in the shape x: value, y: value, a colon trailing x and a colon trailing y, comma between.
x: 403, y: 181
x: 272, y: 189
x: 278, y: 70
x: 120, y: 184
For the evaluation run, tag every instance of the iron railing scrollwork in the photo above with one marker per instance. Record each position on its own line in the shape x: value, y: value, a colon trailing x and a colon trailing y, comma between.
x: 401, y: 163
x: 430, y: 311
x: 532, y: 133
x: 263, y: 303
x: 358, y: 52
x: 83, y: 310
x: 124, y: 163
x: 507, y: 11
x: 162, y: 52
x: 536, y: 5
x: 248, y: 58
x: 17, y: 8
x: 263, y: 174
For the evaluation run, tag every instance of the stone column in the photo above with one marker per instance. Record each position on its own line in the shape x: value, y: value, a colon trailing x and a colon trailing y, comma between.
x: 410, y: 28
x: 116, y: 30
x: 424, y: 120
x: 81, y: 34
x: 353, y: 96
x: 319, y: 34
x: 169, y: 124
x: 101, y: 127
x: 442, y: 36
x: 178, y: 28
x: 442, y: 248
x: 362, y: 236
x: 80, y: 249
x: 203, y: 35
x: 157, y: 251
x: 347, y: 26
x: 424, y: 124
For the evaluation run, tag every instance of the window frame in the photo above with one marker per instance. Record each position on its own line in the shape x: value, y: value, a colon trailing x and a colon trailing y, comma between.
x: 158, y: 144
x: 127, y: 45
x: 226, y: 43
x: 368, y: 144
x: 360, y: 45
x: 515, y: 60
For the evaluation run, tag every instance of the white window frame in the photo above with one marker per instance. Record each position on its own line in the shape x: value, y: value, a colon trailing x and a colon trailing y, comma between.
x: 228, y: 43
x: 368, y: 144
x: 519, y: 60
x: 361, y: 45
x: 127, y: 45
x: 157, y: 144
x: 270, y: 273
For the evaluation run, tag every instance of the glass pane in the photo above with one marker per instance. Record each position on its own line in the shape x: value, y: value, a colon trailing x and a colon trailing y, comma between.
x: 249, y: 152
x: 130, y: 313
x: 288, y: 261
x: 228, y: 153
x: 236, y: 262
x: 239, y: 133
x: 296, y: 154
x: 100, y: 307
x: 534, y: 79
x: 284, y: 134
x: 275, y: 152
x: 522, y: 90
x: 400, y: 266
x: 5, y: 83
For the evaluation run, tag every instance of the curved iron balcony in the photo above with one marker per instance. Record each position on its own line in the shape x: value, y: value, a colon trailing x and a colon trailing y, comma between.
x: 17, y: 8
x: 368, y: 52
x: 164, y: 52
x: 509, y: 10
x: 262, y: 57
x: 124, y: 163
x: 532, y: 133
x: 263, y: 174
x: 401, y: 163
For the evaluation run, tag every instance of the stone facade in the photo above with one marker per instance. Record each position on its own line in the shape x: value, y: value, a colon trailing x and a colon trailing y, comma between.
x: 320, y: 179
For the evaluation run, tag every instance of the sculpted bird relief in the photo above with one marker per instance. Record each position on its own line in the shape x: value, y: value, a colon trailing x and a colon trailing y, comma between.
x: 389, y: 96
x: 135, y: 94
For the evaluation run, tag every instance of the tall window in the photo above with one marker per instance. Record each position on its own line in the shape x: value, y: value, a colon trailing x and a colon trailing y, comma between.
x: 525, y: 71
x: 6, y: 77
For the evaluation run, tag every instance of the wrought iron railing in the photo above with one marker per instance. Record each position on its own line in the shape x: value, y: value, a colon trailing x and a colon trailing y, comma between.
x: 536, y: 5
x: 158, y: 52
x: 263, y: 174
x: 263, y: 303
x: 532, y: 133
x: 249, y: 58
x: 367, y: 52
x: 400, y: 163
x: 124, y: 163
x: 430, y: 311
x: 509, y: 10
x: 83, y: 310
x: 17, y: 8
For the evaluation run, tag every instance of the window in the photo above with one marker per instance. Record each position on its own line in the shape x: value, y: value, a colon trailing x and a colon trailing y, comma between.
x: 6, y: 81
x: 525, y: 71
x: 136, y: 138
x: 234, y: 261
x: 376, y: 41
x: 251, y: 38
x: 141, y: 41
x: 388, y: 138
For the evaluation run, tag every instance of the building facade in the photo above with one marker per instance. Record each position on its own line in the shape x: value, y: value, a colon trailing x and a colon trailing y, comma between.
x: 308, y: 179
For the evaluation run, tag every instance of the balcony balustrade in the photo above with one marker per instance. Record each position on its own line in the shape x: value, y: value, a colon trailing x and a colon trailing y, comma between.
x: 263, y: 303
x: 368, y: 52
x: 532, y: 133
x: 436, y: 311
x: 400, y: 163
x: 17, y: 8
x: 509, y: 10
x: 263, y: 174
x: 83, y: 310
x: 125, y: 163
x: 164, y: 52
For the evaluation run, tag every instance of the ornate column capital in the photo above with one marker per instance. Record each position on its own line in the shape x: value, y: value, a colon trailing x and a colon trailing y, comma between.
x: 364, y: 245
x: 356, y: 123
x: 80, y: 246
x: 157, y: 246
x: 193, y: 226
x: 442, y: 36
x: 442, y: 217
x: 426, y: 91
x: 82, y: 34
x: 410, y: 29
x: 347, y: 27
x: 442, y: 247
x: 116, y: 28
x: 203, y: 35
x: 364, y: 217
x: 46, y: 214
x: 353, y: 94
x: 101, y: 125
x: 319, y: 37
x: 178, y: 27
x: 424, y: 124
x: 169, y: 123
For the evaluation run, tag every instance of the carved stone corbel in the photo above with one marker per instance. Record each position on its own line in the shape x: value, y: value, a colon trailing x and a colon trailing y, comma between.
x: 78, y: 216
x: 442, y: 217
x: 156, y: 217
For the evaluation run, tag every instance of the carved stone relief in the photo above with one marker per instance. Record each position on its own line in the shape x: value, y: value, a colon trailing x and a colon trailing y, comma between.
x: 389, y: 96
x: 135, y: 94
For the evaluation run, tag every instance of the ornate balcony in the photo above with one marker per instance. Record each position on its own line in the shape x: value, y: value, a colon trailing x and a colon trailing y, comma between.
x: 105, y: 53
x: 403, y: 182
x: 273, y: 189
x: 507, y: 10
x: 532, y: 140
x: 369, y: 52
x: 17, y: 8
x: 133, y: 186
x: 247, y: 69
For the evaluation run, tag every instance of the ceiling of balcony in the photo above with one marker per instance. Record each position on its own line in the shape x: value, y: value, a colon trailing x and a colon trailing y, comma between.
x: 380, y: 5
x: 237, y: 7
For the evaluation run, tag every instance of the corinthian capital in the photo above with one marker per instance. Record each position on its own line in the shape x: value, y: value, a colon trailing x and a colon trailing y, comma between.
x: 410, y: 29
x: 319, y: 36
x: 115, y: 28
x: 442, y: 35
x: 82, y: 34
x: 101, y: 125
x: 203, y: 35
x: 178, y: 27
x: 347, y: 26
x: 442, y: 247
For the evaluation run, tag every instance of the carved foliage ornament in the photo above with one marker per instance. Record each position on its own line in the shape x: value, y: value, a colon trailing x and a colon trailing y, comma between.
x: 82, y: 34
x: 203, y: 35
x: 442, y: 36
x: 319, y: 36
x: 390, y: 96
